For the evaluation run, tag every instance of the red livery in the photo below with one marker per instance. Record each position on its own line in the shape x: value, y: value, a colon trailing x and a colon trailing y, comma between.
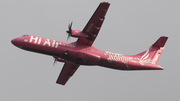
x: 82, y: 52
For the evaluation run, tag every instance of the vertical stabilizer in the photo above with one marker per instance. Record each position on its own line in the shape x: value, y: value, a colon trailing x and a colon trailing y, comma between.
x: 153, y: 54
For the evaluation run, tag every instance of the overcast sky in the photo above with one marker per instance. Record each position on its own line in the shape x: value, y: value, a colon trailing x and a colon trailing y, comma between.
x: 130, y: 27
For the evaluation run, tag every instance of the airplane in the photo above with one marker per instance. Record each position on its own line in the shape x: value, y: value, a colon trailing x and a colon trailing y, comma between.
x: 81, y: 52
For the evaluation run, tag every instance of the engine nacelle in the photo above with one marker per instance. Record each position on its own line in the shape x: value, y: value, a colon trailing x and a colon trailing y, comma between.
x: 78, y: 34
x: 60, y: 60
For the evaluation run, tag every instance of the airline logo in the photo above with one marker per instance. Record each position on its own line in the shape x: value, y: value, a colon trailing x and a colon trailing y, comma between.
x: 146, y: 59
x: 38, y: 40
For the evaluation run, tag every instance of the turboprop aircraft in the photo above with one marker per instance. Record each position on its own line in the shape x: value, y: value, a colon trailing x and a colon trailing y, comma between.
x: 82, y: 52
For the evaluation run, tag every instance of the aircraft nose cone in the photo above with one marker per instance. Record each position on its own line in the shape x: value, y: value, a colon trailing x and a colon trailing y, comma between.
x: 14, y: 42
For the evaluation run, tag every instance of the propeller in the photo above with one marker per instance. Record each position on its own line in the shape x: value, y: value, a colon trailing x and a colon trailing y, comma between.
x: 69, y: 32
x: 55, y: 60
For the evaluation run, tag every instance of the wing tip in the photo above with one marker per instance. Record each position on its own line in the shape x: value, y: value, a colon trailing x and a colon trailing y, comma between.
x: 105, y: 3
x: 61, y: 83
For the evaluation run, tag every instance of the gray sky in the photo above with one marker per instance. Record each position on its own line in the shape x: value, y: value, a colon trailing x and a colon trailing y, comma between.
x: 131, y: 26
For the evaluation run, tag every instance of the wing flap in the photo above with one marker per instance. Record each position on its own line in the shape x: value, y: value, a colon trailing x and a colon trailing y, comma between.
x: 68, y: 70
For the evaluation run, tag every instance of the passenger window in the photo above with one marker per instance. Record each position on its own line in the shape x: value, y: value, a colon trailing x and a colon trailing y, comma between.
x: 89, y: 49
x: 95, y: 50
x: 73, y: 46
x: 92, y: 49
x: 67, y: 45
x: 80, y: 47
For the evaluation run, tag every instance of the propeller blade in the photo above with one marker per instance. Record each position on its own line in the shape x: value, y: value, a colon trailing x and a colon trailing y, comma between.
x: 70, y: 26
x: 68, y: 37
x: 69, y: 31
x: 55, y: 60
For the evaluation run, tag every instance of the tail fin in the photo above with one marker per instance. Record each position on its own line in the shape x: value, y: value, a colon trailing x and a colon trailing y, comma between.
x: 153, y: 54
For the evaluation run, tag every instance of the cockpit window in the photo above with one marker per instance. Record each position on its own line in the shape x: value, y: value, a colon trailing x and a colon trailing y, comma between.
x: 25, y: 35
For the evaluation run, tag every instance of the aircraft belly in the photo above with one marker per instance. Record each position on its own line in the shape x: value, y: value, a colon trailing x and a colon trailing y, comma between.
x: 144, y: 66
x: 81, y: 58
x: 114, y: 64
x: 128, y: 65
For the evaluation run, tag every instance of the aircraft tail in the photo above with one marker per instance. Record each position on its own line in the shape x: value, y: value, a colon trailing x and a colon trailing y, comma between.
x: 153, y: 54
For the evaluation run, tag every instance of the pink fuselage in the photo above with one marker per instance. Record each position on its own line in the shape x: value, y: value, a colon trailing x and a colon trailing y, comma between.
x: 81, y: 54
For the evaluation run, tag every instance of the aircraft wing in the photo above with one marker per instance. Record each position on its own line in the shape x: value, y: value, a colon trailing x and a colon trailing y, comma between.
x: 93, y: 26
x: 67, y: 71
